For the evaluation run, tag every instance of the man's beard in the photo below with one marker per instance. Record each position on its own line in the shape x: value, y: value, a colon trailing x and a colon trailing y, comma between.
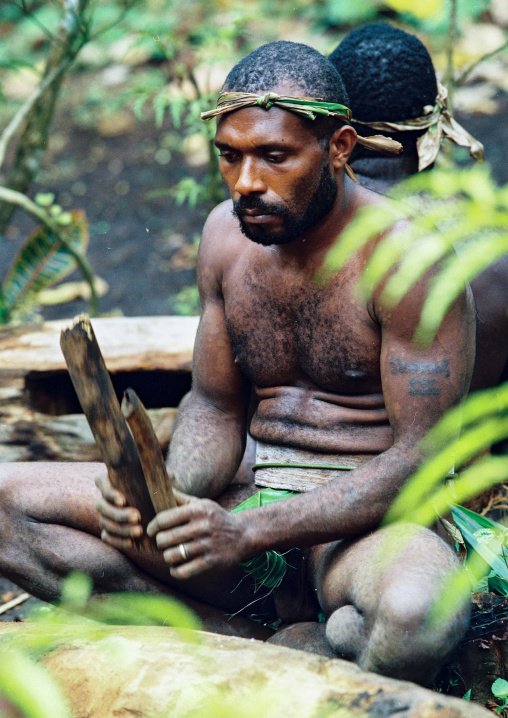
x: 293, y: 225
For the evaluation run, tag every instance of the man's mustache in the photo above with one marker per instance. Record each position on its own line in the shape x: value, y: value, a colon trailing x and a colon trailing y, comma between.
x: 249, y: 203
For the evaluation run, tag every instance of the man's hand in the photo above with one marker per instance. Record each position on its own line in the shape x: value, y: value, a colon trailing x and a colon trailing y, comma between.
x: 198, y: 535
x: 120, y: 525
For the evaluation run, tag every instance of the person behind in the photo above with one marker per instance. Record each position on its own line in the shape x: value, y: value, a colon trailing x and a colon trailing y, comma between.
x: 393, y: 89
x: 342, y: 426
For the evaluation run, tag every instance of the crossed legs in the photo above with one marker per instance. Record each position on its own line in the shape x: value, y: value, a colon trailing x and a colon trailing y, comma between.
x: 49, y: 527
x: 377, y: 612
x: 377, y: 593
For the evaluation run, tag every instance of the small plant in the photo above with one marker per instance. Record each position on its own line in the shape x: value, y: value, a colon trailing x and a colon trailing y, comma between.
x: 500, y: 691
x: 489, y: 540
x: 187, y: 42
x: 186, y: 302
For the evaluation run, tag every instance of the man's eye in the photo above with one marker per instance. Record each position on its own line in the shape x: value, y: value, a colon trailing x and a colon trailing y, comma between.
x: 276, y: 157
x: 228, y: 156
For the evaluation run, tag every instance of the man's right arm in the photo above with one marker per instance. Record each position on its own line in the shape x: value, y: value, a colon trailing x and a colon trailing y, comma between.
x: 209, y: 436
x: 210, y: 432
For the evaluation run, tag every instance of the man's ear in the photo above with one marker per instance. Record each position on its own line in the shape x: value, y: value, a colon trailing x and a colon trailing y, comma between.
x: 341, y: 145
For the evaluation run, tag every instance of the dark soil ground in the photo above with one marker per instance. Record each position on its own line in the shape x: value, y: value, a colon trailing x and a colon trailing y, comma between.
x: 144, y: 247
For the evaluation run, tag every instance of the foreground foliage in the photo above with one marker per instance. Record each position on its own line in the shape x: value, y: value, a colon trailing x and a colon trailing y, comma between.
x: 453, y: 224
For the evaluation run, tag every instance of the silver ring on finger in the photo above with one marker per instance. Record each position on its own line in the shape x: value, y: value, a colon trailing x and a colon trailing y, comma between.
x: 184, y: 551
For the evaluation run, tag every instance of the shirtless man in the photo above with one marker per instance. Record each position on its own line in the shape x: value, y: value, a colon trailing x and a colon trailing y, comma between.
x: 319, y: 362
x: 389, y: 77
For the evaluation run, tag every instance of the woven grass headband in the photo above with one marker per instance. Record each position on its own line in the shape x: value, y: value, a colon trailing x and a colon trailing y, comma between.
x: 304, y: 106
x: 439, y: 123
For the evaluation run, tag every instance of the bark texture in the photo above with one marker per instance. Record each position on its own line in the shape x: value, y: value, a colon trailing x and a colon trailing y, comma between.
x: 158, y: 671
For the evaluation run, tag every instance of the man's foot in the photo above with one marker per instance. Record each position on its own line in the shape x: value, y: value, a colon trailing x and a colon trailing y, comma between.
x: 309, y: 636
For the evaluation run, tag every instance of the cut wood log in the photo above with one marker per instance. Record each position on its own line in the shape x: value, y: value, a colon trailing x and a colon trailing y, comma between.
x: 156, y: 672
x: 127, y: 344
x: 27, y: 435
x: 97, y: 397
x: 151, y: 354
x: 150, y: 454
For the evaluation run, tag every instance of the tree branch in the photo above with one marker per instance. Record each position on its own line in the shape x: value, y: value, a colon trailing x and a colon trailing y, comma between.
x: 32, y: 143
x: 463, y: 77
x: 452, y: 32
x: 20, y: 115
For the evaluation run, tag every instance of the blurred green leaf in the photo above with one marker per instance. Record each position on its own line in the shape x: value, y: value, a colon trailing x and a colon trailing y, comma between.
x: 188, y: 190
x: 160, y: 102
x: 29, y: 687
x: 44, y: 199
x: 422, y: 485
x: 186, y: 302
x: 498, y: 585
x: 177, y: 107
x: 76, y: 589
x: 431, y: 215
x: 435, y: 497
x: 449, y: 283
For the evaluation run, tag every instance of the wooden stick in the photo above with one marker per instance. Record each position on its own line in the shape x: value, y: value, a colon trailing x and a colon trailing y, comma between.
x: 14, y: 602
x: 150, y: 454
x: 98, y: 399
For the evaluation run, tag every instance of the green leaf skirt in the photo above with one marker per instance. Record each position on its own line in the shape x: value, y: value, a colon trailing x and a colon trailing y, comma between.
x: 267, y: 569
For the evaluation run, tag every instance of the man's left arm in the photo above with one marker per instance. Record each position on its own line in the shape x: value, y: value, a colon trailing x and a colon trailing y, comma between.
x: 419, y: 385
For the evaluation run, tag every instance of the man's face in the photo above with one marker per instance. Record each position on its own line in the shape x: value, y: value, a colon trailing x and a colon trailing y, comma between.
x: 278, y: 174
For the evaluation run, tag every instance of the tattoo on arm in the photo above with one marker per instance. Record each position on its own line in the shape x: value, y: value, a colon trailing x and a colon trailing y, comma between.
x: 397, y: 366
x: 423, y: 387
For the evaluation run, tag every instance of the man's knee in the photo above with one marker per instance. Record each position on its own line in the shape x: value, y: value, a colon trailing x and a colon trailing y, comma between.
x: 9, y: 504
x: 414, y: 610
x: 10, y: 513
x: 387, y: 625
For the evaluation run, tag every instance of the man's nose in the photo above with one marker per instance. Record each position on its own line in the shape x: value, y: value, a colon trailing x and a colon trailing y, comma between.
x: 249, y: 179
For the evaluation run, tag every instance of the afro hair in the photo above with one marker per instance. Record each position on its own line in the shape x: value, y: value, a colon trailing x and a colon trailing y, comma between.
x: 388, y: 73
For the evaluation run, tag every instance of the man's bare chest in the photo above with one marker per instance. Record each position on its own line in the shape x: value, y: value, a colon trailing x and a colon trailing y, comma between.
x: 286, y: 332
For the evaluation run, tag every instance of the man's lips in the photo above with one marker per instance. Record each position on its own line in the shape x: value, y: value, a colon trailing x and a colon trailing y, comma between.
x: 256, y: 216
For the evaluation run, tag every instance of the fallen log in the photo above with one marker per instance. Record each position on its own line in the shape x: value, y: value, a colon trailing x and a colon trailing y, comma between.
x: 154, y: 671
x: 27, y: 435
x: 127, y: 343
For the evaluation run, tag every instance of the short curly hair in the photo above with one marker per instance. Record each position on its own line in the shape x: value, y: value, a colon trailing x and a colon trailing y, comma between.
x: 276, y: 62
x: 388, y: 73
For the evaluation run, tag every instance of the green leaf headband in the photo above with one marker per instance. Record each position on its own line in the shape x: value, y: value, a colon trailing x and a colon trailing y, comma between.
x: 304, y: 106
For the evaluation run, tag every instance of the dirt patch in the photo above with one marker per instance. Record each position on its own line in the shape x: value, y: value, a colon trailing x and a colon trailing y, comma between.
x: 140, y: 243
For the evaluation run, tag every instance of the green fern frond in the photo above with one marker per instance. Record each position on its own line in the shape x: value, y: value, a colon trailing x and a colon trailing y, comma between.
x: 41, y: 262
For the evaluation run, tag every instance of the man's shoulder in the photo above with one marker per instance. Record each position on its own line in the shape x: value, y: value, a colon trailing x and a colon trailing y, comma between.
x: 365, y: 197
x: 221, y: 220
x: 221, y: 241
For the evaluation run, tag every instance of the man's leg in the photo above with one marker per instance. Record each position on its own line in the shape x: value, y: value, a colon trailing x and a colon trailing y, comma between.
x: 377, y: 609
x: 49, y: 527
